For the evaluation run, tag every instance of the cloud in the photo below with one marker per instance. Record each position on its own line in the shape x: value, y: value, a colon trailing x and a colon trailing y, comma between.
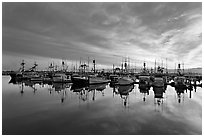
x: 104, y: 31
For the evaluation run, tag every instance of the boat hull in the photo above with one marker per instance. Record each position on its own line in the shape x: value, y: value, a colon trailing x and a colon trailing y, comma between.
x: 125, y: 81
x: 80, y: 80
x: 97, y: 80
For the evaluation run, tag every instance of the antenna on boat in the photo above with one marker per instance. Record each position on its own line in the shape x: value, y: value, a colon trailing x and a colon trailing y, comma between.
x: 155, y: 66
x: 125, y: 65
x: 113, y: 69
x: 128, y: 64
x: 94, y: 63
x: 135, y: 66
x: 122, y: 65
x: 183, y: 67
x: 179, y: 69
x: 23, y: 65
x: 88, y: 64
x: 166, y: 66
x: 63, y: 65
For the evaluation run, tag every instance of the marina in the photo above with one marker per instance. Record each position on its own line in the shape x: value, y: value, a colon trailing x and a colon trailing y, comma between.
x: 119, y: 94
x: 158, y: 78
x: 101, y: 68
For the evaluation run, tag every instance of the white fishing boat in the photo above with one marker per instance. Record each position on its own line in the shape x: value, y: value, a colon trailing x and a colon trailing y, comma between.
x: 61, y: 77
x: 79, y: 79
x: 35, y: 77
x: 97, y: 80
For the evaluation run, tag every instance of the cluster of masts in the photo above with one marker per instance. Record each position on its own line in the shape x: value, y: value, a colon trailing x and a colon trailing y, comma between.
x: 83, y: 67
x: 22, y: 68
x: 125, y: 67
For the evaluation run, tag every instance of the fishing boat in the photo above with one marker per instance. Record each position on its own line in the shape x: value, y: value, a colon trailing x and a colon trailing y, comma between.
x: 113, y: 78
x: 79, y: 79
x: 125, y: 81
x: 144, y: 77
x: 97, y: 80
x: 35, y: 77
x: 144, y: 81
x: 180, y: 81
x: 13, y: 74
x: 47, y: 78
x: 61, y: 78
x: 18, y: 74
x: 158, y: 82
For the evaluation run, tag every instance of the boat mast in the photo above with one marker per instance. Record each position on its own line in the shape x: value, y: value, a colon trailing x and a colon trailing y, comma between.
x: 94, y: 63
x: 35, y: 65
x: 23, y: 65
x: 183, y: 67
x: 63, y: 65
x: 125, y: 65
x: 113, y: 69
x: 166, y: 66
x: 155, y: 66
x: 122, y: 65
x: 88, y: 65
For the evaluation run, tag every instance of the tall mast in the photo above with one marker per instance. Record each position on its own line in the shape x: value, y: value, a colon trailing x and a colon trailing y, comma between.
x: 35, y: 65
x: 23, y: 65
x: 125, y: 65
x: 94, y: 63
x: 155, y: 66
x: 63, y: 65
x: 166, y: 66
x: 183, y: 67
x: 122, y: 65
x: 88, y: 64
x: 113, y: 68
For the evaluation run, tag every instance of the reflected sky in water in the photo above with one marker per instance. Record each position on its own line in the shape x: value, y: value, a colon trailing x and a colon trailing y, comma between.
x: 58, y: 109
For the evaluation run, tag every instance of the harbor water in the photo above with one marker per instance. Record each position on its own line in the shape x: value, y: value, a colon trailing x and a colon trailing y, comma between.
x: 56, y: 109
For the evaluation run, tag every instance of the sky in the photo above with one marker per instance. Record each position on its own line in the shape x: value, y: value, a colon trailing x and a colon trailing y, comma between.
x: 107, y: 32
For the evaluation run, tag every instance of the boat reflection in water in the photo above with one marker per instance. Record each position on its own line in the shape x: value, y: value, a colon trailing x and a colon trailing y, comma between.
x: 83, y: 90
x: 124, y: 92
x: 98, y: 110
x: 25, y: 83
x: 158, y: 95
x: 61, y: 88
x: 180, y: 93
x: 145, y: 91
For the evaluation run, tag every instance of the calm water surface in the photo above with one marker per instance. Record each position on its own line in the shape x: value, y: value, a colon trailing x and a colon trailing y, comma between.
x: 58, y: 109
